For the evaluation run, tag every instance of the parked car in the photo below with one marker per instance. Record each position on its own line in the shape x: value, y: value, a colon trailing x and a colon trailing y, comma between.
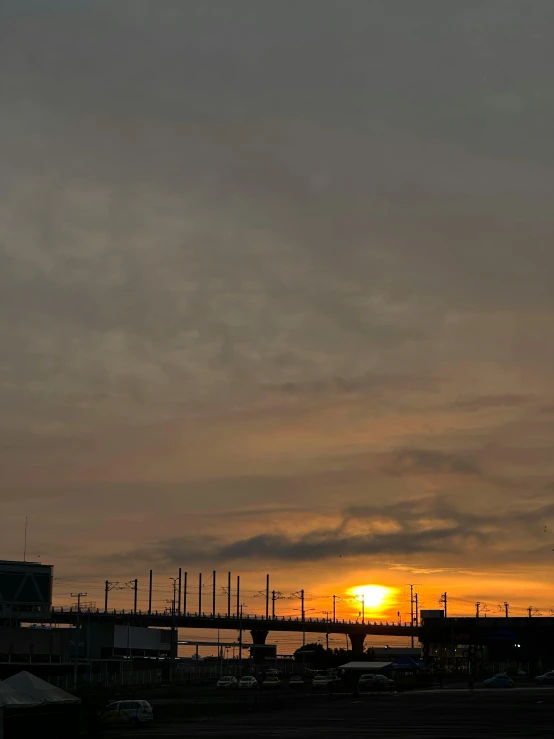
x: 545, y: 679
x: 500, y: 680
x: 322, y: 681
x: 227, y: 682
x: 128, y: 712
x: 271, y: 681
x: 378, y: 683
x: 248, y: 682
x: 296, y: 680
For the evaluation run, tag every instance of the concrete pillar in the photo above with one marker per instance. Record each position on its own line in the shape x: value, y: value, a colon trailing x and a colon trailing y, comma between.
x: 259, y: 636
x: 357, y: 642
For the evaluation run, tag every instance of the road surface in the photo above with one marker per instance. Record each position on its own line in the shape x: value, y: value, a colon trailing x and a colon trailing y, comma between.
x: 526, y: 713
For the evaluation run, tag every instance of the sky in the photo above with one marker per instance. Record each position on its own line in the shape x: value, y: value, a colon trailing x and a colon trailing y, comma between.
x: 276, y: 289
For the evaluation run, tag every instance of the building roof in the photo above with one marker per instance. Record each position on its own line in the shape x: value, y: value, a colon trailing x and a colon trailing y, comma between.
x: 367, y: 666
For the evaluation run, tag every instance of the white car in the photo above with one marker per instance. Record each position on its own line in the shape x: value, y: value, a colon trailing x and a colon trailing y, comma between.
x: 227, y: 682
x: 248, y: 682
x: 548, y: 677
x: 133, y: 712
x: 322, y: 681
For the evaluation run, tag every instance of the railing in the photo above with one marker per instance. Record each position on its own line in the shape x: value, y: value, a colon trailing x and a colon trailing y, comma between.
x: 210, y: 616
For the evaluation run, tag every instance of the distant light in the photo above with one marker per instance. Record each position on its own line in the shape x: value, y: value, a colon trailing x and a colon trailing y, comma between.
x: 517, y: 645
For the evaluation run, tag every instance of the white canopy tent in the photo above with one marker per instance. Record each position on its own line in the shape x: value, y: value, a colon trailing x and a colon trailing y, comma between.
x: 12, y: 698
x: 39, y: 690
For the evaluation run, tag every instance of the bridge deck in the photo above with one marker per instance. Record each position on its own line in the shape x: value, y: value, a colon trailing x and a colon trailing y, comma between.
x: 246, y: 622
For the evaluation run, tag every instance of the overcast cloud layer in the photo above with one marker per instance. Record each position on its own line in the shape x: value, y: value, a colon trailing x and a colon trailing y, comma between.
x: 276, y: 284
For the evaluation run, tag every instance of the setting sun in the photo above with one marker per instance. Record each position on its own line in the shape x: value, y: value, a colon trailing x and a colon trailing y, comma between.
x: 374, y: 596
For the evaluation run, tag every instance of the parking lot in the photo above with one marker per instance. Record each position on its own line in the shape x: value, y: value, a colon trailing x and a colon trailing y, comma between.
x: 525, y: 712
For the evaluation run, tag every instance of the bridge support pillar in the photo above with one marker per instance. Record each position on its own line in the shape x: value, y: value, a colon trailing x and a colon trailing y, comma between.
x: 357, y: 642
x: 259, y: 636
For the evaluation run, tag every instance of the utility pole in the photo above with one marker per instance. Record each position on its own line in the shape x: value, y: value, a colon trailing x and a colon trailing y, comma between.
x: 303, y: 633
x: 213, y: 594
x: 334, y: 609
x: 300, y: 594
x: 179, y: 592
x: 174, y: 640
x: 477, y: 609
x: 412, y: 611
x: 185, y: 594
x: 416, y: 610
x: 239, y: 611
x: 150, y: 593
x: 135, y: 586
x: 77, y: 631
x: 266, y: 597
x: 239, y: 614
x: 327, y: 614
x: 200, y: 594
x: 79, y: 596
x: 530, y: 611
x: 444, y: 601
x: 506, y: 608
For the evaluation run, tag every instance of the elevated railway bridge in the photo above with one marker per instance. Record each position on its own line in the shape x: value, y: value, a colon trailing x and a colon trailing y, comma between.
x: 258, y: 626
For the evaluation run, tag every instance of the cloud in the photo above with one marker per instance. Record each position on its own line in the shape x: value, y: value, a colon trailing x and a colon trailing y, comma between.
x: 237, y: 274
x: 430, y: 527
x: 483, y: 402
x: 425, y: 461
x: 366, y: 384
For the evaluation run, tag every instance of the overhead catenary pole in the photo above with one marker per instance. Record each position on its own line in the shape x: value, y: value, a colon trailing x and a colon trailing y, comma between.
x: 267, y: 597
x: 229, y: 595
x: 135, y: 588
x: 179, y: 592
x: 273, y: 596
x: 416, y: 610
x: 334, y: 608
x: 412, y: 612
x: 200, y: 594
x: 303, y: 633
x: 238, y: 596
x: 185, y: 593
x: 106, y: 591
x: 213, y: 595
x: 150, y: 593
